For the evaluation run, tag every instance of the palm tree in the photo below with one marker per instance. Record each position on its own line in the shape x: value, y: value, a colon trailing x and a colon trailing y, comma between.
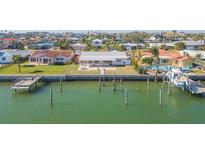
x: 17, y: 59
x: 155, y: 52
x: 63, y: 44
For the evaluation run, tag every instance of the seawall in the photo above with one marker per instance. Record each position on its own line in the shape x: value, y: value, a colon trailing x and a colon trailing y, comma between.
x: 91, y: 77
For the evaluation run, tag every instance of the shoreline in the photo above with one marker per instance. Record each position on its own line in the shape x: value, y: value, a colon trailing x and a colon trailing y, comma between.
x: 92, y: 77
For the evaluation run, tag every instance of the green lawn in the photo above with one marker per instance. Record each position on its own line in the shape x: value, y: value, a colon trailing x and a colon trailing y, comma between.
x: 60, y: 69
x: 123, y: 70
x: 52, y: 69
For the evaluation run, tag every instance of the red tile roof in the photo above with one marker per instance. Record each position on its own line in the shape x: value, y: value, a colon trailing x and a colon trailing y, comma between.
x: 52, y: 54
x: 162, y: 53
x: 7, y: 39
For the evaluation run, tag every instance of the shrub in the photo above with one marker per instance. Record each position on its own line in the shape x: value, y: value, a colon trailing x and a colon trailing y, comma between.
x: 142, y: 70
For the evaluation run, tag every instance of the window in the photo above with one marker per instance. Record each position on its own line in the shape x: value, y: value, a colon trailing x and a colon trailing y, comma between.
x: 3, y: 58
x: 107, y: 62
x: 33, y: 59
x: 59, y: 58
x: 164, y: 61
x: 118, y: 60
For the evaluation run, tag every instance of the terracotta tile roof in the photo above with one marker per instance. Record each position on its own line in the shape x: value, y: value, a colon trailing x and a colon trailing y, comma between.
x: 7, y: 39
x: 184, y: 58
x: 162, y: 53
x: 52, y: 54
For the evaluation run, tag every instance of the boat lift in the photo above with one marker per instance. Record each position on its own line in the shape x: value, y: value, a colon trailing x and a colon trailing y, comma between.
x: 182, y: 80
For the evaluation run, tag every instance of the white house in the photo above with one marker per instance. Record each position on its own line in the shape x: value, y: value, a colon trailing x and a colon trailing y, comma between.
x: 78, y: 46
x: 193, y: 53
x: 133, y: 46
x: 156, y: 37
x: 193, y: 45
x: 6, y: 43
x: 97, y: 42
x: 113, y: 58
x: 168, y: 44
x: 5, y: 58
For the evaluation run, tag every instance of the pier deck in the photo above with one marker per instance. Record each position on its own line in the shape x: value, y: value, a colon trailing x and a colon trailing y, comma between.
x: 195, y: 87
x: 26, y: 83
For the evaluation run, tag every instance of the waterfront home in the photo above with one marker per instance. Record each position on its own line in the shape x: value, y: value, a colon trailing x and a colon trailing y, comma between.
x: 97, y: 43
x: 7, y: 43
x: 48, y: 57
x: 113, y: 58
x: 7, y: 55
x: 16, y: 52
x: 165, y: 57
x: 169, y: 58
x: 194, y: 53
x: 5, y: 58
x: 183, y: 62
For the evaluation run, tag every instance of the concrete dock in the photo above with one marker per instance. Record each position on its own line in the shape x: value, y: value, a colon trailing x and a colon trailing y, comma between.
x: 26, y: 83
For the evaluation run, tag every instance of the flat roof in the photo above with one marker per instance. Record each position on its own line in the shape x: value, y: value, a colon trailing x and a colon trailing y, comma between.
x: 100, y: 55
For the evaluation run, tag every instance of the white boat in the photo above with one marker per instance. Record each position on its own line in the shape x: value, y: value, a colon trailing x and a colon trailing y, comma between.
x: 181, y: 80
x: 177, y: 78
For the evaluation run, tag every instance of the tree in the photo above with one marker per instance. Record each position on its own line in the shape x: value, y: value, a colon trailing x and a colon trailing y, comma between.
x: 135, y: 63
x: 148, y: 60
x: 63, y: 44
x: 20, y: 45
x: 155, y: 52
x: 202, y: 47
x: 17, y: 59
x: 179, y: 46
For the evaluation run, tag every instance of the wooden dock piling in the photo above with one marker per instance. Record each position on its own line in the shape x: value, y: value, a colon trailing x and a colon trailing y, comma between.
x: 114, y: 85
x: 51, y: 97
x: 103, y: 81
x: 61, y: 86
x: 121, y: 83
x: 168, y: 89
x: 148, y: 86
x: 160, y: 97
x: 163, y: 81
x: 155, y: 78
x: 126, y: 97
x: 99, y: 84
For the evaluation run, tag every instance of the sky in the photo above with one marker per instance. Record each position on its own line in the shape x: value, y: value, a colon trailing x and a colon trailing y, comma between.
x: 109, y: 31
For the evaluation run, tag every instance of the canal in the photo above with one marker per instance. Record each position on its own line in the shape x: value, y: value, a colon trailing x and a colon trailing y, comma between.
x: 81, y: 103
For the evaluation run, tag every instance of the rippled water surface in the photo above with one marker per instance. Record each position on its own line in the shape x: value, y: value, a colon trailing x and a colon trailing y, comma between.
x: 81, y: 102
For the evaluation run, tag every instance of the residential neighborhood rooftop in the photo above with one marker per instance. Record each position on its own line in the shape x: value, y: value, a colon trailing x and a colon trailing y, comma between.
x: 103, y: 55
x: 52, y: 54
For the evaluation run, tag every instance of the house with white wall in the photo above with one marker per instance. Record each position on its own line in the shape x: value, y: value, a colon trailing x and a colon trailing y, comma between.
x: 193, y: 45
x: 100, y: 58
x: 78, y: 46
x: 97, y: 43
x: 5, y: 58
x: 133, y: 46
x: 7, y: 43
x: 194, y: 53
